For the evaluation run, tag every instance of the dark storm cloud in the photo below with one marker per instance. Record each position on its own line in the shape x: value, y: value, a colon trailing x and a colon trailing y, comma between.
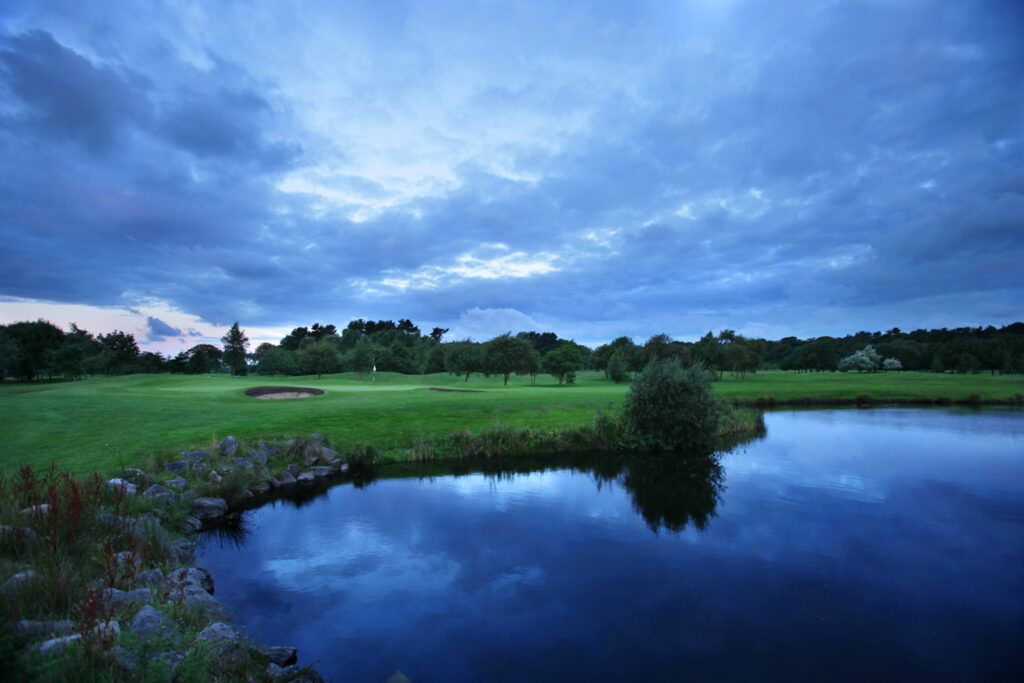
x: 670, y: 167
x: 157, y: 329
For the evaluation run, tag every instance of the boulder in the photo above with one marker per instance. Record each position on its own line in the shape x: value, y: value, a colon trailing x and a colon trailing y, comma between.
x: 119, y: 483
x: 16, y: 581
x: 150, y: 577
x: 293, y: 674
x: 49, y: 648
x: 282, y: 656
x: 176, y: 466
x: 293, y: 469
x: 227, y: 645
x: 136, y: 476
x: 32, y: 629
x: 195, y: 598
x: 305, y: 478
x: 40, y: 510
x: 178, y: 483
x: 287, y: 479
x: 261, y: 487
x: 161, y: 494
x: 268, y: 448
x: 200, y: 467
x: 328, y: 454
x: 149, y: 620
x: 320, y: 472
x: 182, y: 552
x: 190, y: 524
x: 273, y: 482
x: 114, y: 598
x: 209, y: 508
x: 196, y: 456
x: 258, y: 456
x: 18, y: 534
x: 228, y: 446
x: 243, y: 463
x: 190, y: 576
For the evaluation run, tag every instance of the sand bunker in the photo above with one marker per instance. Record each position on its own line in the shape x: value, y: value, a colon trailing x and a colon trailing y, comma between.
x: 282, y: 392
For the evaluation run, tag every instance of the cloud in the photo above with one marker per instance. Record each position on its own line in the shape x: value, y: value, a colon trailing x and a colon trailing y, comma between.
x: 158, y: 329
x: 656, y: 168
x: 481, y: 324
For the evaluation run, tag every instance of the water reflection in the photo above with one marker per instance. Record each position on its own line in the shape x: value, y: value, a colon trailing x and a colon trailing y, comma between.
x: 848, y: 545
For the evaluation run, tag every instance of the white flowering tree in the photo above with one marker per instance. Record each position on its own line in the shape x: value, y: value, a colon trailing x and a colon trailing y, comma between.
x: 867, y: 359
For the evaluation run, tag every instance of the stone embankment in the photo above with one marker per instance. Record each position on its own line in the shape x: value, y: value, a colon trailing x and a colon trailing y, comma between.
x: 149, y: 603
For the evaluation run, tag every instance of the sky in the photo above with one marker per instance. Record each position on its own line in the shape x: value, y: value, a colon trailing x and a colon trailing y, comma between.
x: 595, y: 169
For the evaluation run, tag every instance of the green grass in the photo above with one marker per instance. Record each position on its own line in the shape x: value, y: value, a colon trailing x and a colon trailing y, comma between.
x: 107, y: 423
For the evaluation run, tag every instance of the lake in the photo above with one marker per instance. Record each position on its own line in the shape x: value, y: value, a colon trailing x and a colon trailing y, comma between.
x: 850, y: 544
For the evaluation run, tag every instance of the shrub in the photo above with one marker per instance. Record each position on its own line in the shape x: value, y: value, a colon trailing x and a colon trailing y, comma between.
x: 672, y: 408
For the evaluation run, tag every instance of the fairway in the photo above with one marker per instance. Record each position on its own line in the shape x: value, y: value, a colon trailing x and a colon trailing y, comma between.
x: 107, y: 423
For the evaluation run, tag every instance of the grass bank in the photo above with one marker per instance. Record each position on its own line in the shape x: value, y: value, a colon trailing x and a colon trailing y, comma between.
x: 105, y: 424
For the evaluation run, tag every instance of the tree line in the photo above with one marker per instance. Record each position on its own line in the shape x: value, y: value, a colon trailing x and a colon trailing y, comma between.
x: 40, y: 350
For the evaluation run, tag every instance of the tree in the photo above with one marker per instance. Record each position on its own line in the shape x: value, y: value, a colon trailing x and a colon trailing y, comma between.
x: 672, y: 408
x: 437, y: 333
x: 118, y: 349
x: 865, y: 359
x: 617, y: 366
x: 36, y: 342
x: 319, y: 358
x: 561, y: 361
x: 464, y: 358
x: 203, y: 358
x: 891, y: 364
x: 506, y: 354
x: 277, y: 361
x: 363, y: 355
x: 235, y: 345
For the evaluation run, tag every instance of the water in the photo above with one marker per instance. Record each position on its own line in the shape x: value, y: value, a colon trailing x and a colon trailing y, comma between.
x: 845, y: 545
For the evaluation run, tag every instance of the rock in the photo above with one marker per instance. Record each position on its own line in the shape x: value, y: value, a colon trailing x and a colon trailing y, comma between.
x: 191, y: 494
x: 136, y: 476
x: 171, y: 662
x: 190, y: 524
x: 318, y: 439
x: 273, y: 482
x: 244, y: 496
x: 343, y: 467
x: 257, y: 456
x: 112, y: 597
x: 161, y: 494
x: 176, y: 466
x: 214, y: 477
x: 117, y: 483
x: 309, y: 455
x: 267, y: 448
x: 261, y: 487
x: 41, y: 510
x: 196, y: 456
x: 18, y: 580
x: 31, y: 629
x: 209, y: 508
x: 125, y: 662
x: 150, y: 577
x: 287, y: 479
x: 48, y: 648
x: 197, y: 599
x: 200, y: 467
x: 293, y: 674
x: 18, y: 534
x: 305, y: 478
x: 227, y: 644
x: 293, y: 469
x: 178, y: 483
x: 182, y: 552
x: 190, y: 576
x: 320, y: 472
x: 228, y: 446
x: 128, y: 559
x: 107, y: 631
x: 328, y: 454
x: 150, y: 620
x: 282, y: 656
x: 243, y: 463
